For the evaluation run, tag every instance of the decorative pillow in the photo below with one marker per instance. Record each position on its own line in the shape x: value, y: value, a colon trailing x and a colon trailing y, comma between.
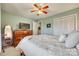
x: 72, y: 40
x: 77, y: 46
x: 62, y: 38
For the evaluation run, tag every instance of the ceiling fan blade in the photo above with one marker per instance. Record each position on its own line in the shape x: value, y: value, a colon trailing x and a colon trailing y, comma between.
x: 45, y: 12
x: 37, y: 5
x: 45, y: 7
x: 33, y: 10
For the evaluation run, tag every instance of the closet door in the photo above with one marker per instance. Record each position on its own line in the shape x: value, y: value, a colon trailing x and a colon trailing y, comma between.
x: 71, y: 24
x: 57, y: 26
x: 64, y: 25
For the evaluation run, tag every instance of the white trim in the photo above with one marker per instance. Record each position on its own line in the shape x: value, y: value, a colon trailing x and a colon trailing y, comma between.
x: 0, y: 48
x: 0, y: 43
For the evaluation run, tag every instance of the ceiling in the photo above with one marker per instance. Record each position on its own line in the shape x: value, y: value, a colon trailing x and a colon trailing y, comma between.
x: 23, y: 9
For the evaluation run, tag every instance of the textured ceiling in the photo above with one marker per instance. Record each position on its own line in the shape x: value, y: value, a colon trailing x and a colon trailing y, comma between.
x: 23, y: 9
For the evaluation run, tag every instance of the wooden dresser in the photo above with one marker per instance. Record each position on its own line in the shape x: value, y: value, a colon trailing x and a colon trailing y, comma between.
x: 20, y: 34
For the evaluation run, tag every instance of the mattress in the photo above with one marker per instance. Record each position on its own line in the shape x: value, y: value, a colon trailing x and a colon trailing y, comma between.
x: 45, y: 45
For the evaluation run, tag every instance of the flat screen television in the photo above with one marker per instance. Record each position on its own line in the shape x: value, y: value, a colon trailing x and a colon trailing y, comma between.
x: 24, y: 26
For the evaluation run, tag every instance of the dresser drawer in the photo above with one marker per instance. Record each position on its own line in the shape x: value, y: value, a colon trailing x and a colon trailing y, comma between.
x: 20, y: 34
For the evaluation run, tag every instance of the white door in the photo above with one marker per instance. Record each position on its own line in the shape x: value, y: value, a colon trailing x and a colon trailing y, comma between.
x: 35, y: 27
x: 57, y: 27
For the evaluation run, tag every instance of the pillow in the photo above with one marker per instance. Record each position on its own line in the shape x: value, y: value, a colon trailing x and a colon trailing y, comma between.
x: 77, y: 46
x: 72, y: 40
x: 62, y: 38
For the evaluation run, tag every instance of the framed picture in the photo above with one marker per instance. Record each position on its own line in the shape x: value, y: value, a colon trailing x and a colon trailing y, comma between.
x: 49, y: 25
x: 24, y: 26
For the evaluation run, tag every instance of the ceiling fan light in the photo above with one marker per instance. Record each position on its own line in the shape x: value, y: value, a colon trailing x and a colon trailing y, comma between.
x: 40, y: 12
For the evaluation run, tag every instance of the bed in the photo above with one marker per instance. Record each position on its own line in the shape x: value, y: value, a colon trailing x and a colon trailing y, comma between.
x: 45, y: 45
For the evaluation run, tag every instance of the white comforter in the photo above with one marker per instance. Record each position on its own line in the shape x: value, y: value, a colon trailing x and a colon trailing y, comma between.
x: 45, y: 45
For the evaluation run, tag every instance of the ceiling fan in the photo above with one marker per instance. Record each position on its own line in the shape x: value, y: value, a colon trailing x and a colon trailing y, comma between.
x: 40, y: 9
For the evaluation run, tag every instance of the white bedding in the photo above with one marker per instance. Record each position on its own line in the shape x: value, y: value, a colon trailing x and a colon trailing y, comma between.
x: 45, y: 45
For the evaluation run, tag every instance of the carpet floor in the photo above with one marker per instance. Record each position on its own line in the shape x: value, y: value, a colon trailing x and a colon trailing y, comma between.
x: 10, y: 51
